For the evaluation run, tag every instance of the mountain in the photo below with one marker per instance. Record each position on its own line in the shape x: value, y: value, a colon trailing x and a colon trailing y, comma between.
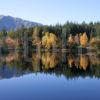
x: 9, y: 22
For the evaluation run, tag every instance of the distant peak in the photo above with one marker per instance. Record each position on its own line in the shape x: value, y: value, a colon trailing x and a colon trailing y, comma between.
x: 10, y: 22
x: 1, y: 16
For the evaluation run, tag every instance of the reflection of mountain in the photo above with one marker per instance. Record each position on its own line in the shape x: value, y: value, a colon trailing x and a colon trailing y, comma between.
x: 14, y: 64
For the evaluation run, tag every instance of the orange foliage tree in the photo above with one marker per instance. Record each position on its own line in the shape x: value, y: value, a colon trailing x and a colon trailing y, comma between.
x: 84, y: 39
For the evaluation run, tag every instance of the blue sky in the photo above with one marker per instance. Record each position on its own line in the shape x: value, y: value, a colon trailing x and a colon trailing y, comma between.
x: 52, y: 11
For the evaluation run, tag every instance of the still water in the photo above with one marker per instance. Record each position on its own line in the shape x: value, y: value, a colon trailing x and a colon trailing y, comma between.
x: 50, y: 76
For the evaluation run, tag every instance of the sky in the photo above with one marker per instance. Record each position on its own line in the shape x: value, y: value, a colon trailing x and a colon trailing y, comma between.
x: 52, y: 11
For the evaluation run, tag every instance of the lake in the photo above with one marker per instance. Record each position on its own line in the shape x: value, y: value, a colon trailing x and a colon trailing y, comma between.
x: 49, y: 76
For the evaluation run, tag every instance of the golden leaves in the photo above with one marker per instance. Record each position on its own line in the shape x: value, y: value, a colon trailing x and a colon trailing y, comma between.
x: 84, y: 39
x: 81, y: 39
x: 71, y: 40
x: 49, y: 39
x: 94, y: 42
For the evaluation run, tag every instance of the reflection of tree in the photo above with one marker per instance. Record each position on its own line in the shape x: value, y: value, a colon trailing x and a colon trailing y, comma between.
x: 84, y: 61
x: 10, y: 57
x: 71, y: 60
x: 36, y: 62
x: 77, y: 61
x: 14, y: 64
x: 50, y: 60
x: 81, y: 61
x: 94, y: 60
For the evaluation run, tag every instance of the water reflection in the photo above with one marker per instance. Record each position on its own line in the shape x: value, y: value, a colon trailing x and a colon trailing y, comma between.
x: 71, y: 66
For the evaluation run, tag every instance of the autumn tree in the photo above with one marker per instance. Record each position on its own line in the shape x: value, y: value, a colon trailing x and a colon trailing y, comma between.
x: 49, y: 39
x: 84, y: 39
x: 71, y: 40
x: 95, y: 42
x: 36, y: 36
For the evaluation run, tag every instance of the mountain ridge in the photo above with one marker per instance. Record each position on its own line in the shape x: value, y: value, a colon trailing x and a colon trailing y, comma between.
x: 9, y: 22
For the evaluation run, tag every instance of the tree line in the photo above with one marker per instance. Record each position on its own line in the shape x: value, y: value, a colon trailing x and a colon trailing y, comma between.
x: 60, y: 36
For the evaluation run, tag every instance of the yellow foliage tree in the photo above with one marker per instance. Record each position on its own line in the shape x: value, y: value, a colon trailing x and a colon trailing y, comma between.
x: 71, y: 40
x: 94, y: 42
x: 35, y: 37
x: 49, y: 39
x: 84, y: 39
